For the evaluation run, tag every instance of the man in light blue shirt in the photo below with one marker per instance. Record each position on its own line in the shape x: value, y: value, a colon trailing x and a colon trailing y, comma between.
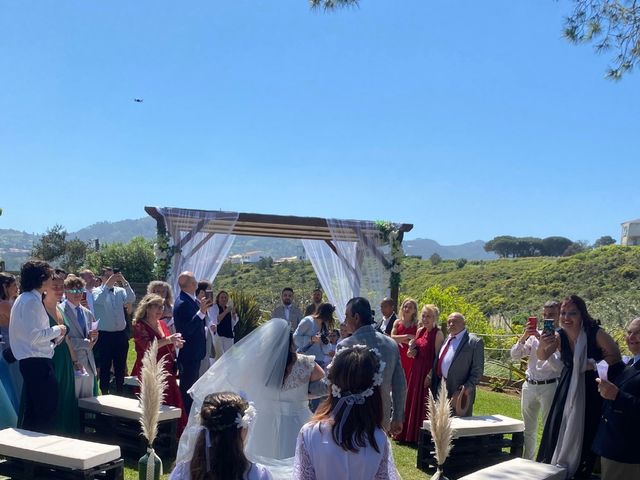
x: 113, y: 342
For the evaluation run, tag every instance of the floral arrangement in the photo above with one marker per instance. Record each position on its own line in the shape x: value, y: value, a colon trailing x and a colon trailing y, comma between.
x: 163, y: 251
x: 391, y: 235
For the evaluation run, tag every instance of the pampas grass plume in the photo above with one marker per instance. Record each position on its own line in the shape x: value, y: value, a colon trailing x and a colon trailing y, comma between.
x: 440, y: 418
x: 153, y: 383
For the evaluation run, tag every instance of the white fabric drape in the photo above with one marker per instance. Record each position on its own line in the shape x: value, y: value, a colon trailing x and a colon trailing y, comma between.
x: 356, y: 268
x: 201, y: 252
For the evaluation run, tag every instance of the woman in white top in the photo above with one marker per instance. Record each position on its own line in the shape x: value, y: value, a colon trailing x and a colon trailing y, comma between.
x: 345, y: 438
x: 219, y: 450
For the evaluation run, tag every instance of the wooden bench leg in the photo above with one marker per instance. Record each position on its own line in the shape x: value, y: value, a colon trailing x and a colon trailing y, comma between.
x: 517, y: 444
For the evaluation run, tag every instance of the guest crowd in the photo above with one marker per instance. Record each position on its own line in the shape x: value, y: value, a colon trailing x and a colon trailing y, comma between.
x: 66, y: 337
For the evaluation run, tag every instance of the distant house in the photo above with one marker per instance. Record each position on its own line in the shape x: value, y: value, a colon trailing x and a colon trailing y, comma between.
x: 295, y: 258
x: 631, y: 232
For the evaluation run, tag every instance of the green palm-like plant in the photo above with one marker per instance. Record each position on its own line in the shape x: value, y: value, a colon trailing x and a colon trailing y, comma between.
x: 249, y: 315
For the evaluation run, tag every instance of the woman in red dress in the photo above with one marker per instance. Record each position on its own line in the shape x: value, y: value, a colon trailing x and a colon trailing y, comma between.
x: 147, y: 326
x: 404, y: 330
x: 423, y: 351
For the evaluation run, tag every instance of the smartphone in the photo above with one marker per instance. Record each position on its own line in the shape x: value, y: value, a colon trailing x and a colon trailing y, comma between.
x: 208, y: 294
x: 548, y: 326
x: 84, y: 296
x: 532, y: 323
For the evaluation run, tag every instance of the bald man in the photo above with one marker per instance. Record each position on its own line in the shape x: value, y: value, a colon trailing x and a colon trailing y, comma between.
x: 189, y: 316
x: 460, y: 363
x: 619, y: 432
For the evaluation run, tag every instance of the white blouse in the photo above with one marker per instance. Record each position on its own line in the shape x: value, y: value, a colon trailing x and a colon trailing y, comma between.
x: 318, y: 457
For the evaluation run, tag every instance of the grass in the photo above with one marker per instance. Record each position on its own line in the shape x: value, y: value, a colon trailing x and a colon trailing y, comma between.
x: 405, y: 457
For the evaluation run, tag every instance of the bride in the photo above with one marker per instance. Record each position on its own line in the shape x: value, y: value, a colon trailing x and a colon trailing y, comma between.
x: 265, y: 368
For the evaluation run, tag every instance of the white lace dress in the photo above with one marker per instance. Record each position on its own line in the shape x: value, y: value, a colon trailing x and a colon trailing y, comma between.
x: 274, y: 432
x: 319, y: 457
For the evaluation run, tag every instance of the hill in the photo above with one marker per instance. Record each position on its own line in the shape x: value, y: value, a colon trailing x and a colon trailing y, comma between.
x: 607, y: 277
x: 425, y: 247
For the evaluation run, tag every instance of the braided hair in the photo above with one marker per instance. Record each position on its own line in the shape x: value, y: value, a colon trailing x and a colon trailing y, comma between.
x: 227, y: 460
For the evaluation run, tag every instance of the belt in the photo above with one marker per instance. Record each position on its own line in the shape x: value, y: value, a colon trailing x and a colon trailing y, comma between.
x: 542, y: 382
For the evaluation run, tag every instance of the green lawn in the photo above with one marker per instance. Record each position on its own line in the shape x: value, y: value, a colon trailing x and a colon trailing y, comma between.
x: 487, y: 403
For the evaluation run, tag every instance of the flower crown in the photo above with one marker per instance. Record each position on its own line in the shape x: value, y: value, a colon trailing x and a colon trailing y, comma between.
x: 241, y: 420
x: 349, y: 399
x: 337, y: 392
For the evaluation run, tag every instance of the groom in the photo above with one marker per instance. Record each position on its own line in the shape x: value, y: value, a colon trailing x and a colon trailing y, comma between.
x: 189, y: 317
x: 359, y: 320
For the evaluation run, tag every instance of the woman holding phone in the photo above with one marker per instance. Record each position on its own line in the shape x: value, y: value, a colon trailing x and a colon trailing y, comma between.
x: 224, y: 318
x: 575, y: 413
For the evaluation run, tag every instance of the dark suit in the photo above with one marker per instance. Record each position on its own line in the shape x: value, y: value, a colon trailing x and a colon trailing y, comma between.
x: 466, y: 369
x: 389, y: 327
x: 191, y: 326
x: 619, y: 429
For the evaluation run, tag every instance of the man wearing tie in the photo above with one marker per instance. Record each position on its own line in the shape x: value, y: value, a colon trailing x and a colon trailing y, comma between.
x: 189, y: 316
x: 460, y: 364
x: 82, y: 335
x: 617, y: 438
x: 287, y: 309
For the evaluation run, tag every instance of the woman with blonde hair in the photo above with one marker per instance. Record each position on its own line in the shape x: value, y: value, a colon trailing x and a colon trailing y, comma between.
x: 422, y: 350
x: 164, y: 290
x: 404, y: 331
x: 147, y: 327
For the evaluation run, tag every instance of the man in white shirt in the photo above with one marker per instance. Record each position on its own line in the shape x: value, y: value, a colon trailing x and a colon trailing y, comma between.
x: 287, y: 309
x: 90, y: 283
x: 387, y: 308
x: 32, y: 342
x: 542, y: 379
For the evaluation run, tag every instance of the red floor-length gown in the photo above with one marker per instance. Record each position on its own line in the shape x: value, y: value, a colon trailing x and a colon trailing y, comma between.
x: 415, y: 406
x: 404, y: 347
x: 143, y: 336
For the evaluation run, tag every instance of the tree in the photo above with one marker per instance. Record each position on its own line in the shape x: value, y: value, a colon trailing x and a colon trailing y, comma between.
x: 604, y: 241
x: 576, y: 247
x: 555, y: 246
x: 461, y: 262
x: 51, y: 246
x: 135, y: 259
x: 54, y: 247
x: 611, y: 25
x: 435, y: 259
x: 504, y: 246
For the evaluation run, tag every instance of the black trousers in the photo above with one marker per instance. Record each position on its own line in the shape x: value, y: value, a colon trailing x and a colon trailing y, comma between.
x: 113, y: 348
x: 189, y: 374
x: 40, y: 394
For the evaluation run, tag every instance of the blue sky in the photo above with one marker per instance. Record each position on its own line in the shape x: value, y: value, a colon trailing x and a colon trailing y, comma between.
x: 469, y: 119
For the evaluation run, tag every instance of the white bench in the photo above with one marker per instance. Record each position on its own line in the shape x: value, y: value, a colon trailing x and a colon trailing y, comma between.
x: 116, y: 419
x: 478, y: 442
x: 32, y: 454
x: 518, y: 469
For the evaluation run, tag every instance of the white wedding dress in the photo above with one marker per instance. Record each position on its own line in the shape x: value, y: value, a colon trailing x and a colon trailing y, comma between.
x: 254, y: 368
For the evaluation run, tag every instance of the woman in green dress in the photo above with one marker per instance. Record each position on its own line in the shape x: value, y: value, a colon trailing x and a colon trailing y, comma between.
x: 67, y: 417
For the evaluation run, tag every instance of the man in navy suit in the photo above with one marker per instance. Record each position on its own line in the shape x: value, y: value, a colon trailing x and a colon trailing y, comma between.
x: 189, y: 316
x: 619, y: 431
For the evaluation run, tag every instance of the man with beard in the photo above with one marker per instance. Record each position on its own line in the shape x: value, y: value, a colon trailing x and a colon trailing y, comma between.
x: 287, y: 309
